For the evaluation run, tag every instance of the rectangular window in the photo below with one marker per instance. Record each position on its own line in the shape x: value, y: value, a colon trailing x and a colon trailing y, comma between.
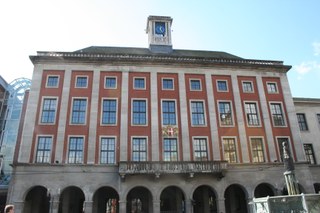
x: 48, y: 114
x: 247, y: 86
x: 108, y: 151
x: 139, y: 149
x: 257, y: 150
x: 170, y: 149
x: 139, y: 83
x: 167, y: 84
x: 43, y: 149
x: 82, y: 82
x: 75, y: 150
x: 302, y: 122
x: 252, y: 114
x: 169, y: 112
x: 139, y: 112
x: 79, y: 108
x: 200, y: 149
x: 308, y: 149
x: 277, y: 114
x: 230, y: 150
x: 318, y: 117
x: 52, y: 81
x: 195, y: 85
x: 222, y: 86
x: 197, y: 113
x: 109, y: 111
x: 272, y: 87
x: 111, y: 83
x: 225, y: 113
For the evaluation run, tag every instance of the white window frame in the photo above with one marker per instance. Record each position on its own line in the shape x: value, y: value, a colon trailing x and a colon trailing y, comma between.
x: 276, y: 87
x: 263, y: 146
x: 105, y: 82
x: 36, y: 147
x: 175, y: 105
x: 41, y: 109
x: 195, y: 79
x: 247, y: 81
x: 139, y: 99
x: 258, y: 113
x: 217, y: 85
x: 71, y: 112
x: 115, y: 148
x: 232, y: 113
x: 145, y: 83
x: 164, y: 78
x: 178, y: 148
x: 83, y: 150
x: 101, y: 113
x: 283, y: 112
x: 207, y: 143
x: 236, y: 144
x: 204, y: 112
x: 58, y: 81
x: 76, y: 80
x: 147, y: 146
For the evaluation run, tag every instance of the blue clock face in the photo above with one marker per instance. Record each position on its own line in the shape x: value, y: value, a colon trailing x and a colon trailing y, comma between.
x: 160, y: 28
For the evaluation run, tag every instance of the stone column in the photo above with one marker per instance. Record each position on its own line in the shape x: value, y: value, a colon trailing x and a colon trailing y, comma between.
x: 124, y: 117
x: 87, y: 206
x: 221, y: 205
x: 18, y: 206
x: 54, y: 204
x: 122, y: 206
x: 156, y: 206
x: 188, y: 206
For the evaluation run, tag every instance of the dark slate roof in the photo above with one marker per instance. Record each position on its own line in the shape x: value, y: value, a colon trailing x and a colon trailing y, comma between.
x: 147, y: 52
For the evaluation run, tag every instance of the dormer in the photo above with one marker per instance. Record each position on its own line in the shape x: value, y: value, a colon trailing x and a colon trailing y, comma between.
x: 159, y: 34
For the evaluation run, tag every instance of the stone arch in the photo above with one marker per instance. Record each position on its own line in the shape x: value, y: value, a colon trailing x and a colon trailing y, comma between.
x: 236, y: 199
x: 264, y: 190
x: 172, y: 199
x: 139, y: 199
x: 37, y: 200
x: 204, y: 199
x: 71, y: 200
x: 105, y: 200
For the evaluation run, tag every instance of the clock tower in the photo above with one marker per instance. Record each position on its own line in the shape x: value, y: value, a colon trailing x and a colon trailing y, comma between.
x: 159, y: 34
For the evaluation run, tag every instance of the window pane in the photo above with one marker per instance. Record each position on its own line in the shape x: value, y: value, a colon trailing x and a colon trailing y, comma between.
x: 200, y: 150
x: 222, y: 86
x: 107, y: 154
x: 169, y: 112
x: 82, y: 81
x: 139, y: 112
x: 252, y: 114
x: 247, y: 87
x: 139, y: 83
x: 52, y: 81
x: 302, y: 122
x: 139, y: 149
x: 79, y: 111
x: 277, y: 115
x: 308, y: 149
x: 48, y: 110
x: 109, y: 114
x: 225, y: 113
x: 230, y: 152
x: 170, y: 149
x: 197, y: 111
x: 195, y: 85
x: 110, y: 83
x: 257, y: 150
x: 75, y: 154
x: 167, y: 83
x: 272, y: 87
x: 43, y: 150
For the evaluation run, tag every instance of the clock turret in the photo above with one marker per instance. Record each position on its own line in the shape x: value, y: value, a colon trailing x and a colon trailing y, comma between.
x: 159, y: 33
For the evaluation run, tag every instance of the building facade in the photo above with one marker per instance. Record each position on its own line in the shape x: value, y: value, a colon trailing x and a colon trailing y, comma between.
x: 110, y: 129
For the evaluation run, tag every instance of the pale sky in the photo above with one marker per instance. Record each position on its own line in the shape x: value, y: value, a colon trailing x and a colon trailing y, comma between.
x: 284, y: 30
